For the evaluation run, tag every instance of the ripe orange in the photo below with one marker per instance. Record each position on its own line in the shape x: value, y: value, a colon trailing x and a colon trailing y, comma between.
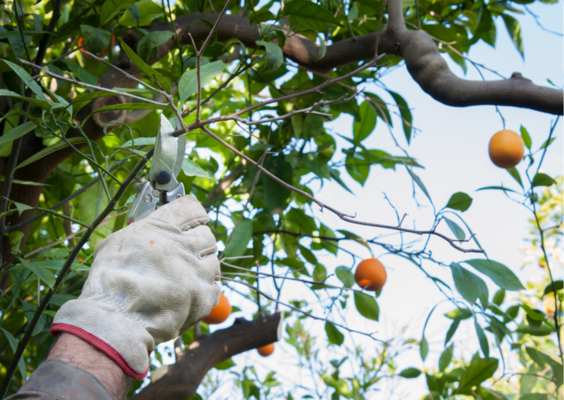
x: 267, y: 350
x: 220, y: 312
x: 370, y: 274
x: 506, y: 149
x: 103, y: 53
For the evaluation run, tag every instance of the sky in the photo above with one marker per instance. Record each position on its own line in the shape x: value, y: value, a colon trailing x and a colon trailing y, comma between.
x: 452, y: 145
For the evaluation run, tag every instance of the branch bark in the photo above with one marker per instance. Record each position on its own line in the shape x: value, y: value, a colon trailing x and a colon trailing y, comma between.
x: 182, y: 380
x: 422, y: 58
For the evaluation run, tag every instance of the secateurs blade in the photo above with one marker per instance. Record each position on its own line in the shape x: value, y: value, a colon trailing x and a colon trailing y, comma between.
x: 161, y: 186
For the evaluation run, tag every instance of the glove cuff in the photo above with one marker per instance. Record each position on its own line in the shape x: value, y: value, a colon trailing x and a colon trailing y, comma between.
x: 115, y: 333
x: 57, y: 329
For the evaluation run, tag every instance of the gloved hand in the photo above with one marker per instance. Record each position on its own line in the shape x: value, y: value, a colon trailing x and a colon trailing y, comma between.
x: 149, y: 283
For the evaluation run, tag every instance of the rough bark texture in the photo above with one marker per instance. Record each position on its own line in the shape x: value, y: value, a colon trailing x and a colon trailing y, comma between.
x: 184, y: 377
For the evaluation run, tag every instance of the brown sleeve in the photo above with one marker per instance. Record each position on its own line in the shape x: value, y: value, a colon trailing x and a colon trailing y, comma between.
x: 57, y: 380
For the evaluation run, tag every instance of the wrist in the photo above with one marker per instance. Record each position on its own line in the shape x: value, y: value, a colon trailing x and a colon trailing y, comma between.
x: 81, y: 354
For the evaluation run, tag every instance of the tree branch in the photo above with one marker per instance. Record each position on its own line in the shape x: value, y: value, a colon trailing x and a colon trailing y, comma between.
x: 183, y: 379
x: 422, y: 58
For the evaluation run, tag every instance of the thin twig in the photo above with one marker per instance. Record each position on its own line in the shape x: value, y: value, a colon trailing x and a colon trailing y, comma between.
x: 370, y: 335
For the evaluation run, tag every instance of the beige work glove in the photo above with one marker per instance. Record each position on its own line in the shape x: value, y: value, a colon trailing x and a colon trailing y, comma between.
x: 149, y: 283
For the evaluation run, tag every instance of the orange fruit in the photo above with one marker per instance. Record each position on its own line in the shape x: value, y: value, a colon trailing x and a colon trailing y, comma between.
x: 370, y: 274
x: 102, y: 54
x: 506, y: 149
x: 220, y: 312
x: 267, y: 350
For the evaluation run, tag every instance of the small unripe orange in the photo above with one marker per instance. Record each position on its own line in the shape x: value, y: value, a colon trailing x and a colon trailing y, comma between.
x: 267, y: 350
x: 370, y: 274
x: 220, y: 312
x: 506, y: 149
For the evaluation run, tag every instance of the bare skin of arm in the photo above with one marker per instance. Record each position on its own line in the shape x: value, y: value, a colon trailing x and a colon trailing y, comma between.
x: 80, y: 354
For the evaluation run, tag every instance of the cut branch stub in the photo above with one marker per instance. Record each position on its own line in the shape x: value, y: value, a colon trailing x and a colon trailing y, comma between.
x: 183, y: 378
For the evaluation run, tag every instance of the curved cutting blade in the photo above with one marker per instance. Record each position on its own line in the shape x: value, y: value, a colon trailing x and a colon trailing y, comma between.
x: 169, y: 154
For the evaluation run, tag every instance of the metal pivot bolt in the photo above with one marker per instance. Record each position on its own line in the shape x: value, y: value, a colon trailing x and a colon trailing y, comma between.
x: 163, y: 177
x: 147, y: 198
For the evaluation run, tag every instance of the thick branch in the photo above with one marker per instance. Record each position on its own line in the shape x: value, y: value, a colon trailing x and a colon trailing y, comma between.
x: 422, y: 58
x: 183, y: 379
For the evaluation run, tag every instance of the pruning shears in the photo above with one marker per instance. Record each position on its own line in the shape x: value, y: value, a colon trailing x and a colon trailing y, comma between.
x: 161, y: 186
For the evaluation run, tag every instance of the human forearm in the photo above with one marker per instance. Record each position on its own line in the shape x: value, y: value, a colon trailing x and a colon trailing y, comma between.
x: 80, y: 354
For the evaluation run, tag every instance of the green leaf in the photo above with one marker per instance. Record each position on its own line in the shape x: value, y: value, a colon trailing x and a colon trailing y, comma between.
x: 96, y: 40
x: 82, y: 74
x: 423, y: 348
x: 459, y: 201
x: 275, y: 195
x: 225, y: 364
x: 410, y: 373
x: 43, y: 273
x: 190, y: 168
x: 333, y: 334
x: 498, y: 273
x: 541, y: 179
x: 51, y: 149
x: 345, y: 275
x: 152, y: 40
x: 319, y: 273
x: 419, y: 183
x: 526, y: 137
x: 363, y: 128
x: 111, y: 8
x: 309, y: 15
x: 239, y: 239
x: 380, y: 106
x: 452, y: 330
x: 559, y: 285
x: 188, y: 84
x: 515, y: 174
x: 514, y: 30
x: 445, y: 358
x: 457, y: 230
x: 477, y: 372
x: 484, y: 345
x: 470, y: 286
x: 148, y: 70
x: 17, y: 132
x: 135, y: 14
x: 459, y: 313
x: 534, y: 396
x: 46, y: 104
x: 499, y: 297
x: 405, y: 112
x: 547, y: 143
x: 14, y: 345
x: 21, y: 207
x: 148, y: 11
x: 366, y: 306
x: 274, y: 56
x: 141, y: 141
x: 26, y: 78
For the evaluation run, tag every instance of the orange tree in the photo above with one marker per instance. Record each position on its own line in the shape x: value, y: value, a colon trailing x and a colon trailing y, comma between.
x: 251, y: 86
